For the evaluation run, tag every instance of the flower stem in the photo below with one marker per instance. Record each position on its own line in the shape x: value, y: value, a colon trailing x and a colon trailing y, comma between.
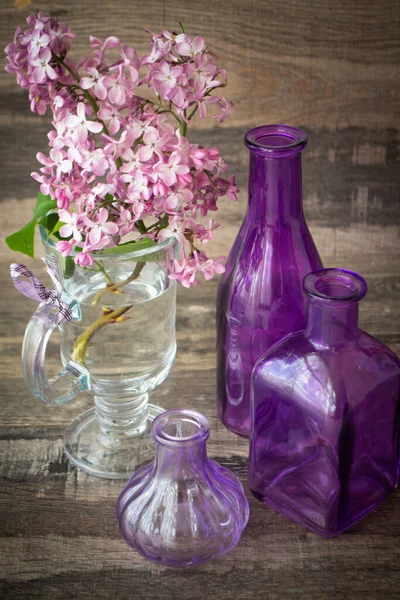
x: 182, y: 128
x: 193, y: 111
x: 102, y: 270
x: 115, y: 287
x: 108, y: 317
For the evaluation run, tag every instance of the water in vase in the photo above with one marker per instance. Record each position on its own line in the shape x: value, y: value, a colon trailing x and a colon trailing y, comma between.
x: 134, y: 354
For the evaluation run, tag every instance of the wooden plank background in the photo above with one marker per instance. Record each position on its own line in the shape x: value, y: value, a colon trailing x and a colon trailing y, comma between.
x: 331, y: 68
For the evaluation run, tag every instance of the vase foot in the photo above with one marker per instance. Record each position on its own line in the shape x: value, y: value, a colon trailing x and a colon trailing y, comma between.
x: 108, y: 457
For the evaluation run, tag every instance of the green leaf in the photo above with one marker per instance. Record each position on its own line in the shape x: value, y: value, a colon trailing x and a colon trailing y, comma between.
x: 44, y: 209
x: 68, y: 267
x: 130, y: 247
x: 40, y: 200
x: 141, y: 226
x: 164, y: 222
x: 23, y: 240
x: 52, y: 224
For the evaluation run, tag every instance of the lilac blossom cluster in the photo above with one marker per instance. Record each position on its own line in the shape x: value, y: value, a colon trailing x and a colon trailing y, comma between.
x: 120, y: 164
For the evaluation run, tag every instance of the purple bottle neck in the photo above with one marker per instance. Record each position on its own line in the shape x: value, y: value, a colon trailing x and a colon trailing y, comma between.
x: 181, y: 437
x: 275, y: 186
x: 334, y: 295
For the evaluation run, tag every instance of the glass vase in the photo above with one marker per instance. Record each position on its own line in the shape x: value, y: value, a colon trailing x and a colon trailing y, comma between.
x: 183, y: 509
x: 260, y: 298
x: 120, y: 345
x: 325, y: 413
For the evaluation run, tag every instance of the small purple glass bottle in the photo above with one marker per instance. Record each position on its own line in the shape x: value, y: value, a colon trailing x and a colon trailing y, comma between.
x: 260, y: 298
x: 183, y: 509
x: 325, y: 414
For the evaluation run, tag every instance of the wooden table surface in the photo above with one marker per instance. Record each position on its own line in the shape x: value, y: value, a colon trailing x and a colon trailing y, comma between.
x: 330, y: 68
x: 58, y: 533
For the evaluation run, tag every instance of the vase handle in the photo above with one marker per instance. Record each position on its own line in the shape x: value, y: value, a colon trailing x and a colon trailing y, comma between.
x: 72, y: 380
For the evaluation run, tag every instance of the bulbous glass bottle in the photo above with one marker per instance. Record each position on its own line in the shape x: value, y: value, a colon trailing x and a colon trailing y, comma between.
x: 183, y: 509
x: 325, y: 414
x: 260, y: 297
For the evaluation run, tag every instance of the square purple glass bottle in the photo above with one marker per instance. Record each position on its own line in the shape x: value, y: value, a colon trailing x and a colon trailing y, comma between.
x: 260, y: 298
x: 325, y: 413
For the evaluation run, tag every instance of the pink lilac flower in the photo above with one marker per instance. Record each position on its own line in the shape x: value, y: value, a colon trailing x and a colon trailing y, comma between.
x: 56, y: 158
x: 118, y: 87
x: 94, y: 161
x: 153, y: 144
x: 64, y: 197
x: 100, y: 226
x: 112, y: 117
x: 81, y: 125
x: 176, y: 229
x: 38, y: 41
x: 159, y: 188
x: 64, y: 247
x: 71, y: 225
x: 187, y: 47
x: 45, y: 184
x: 202, y: 72
x: 166, y: 78
x: 180, y: 197
x: 95, y: 81
x: 133, y: 163
x: 42, y: 69
x: 232, y: 190
x: 184, y: 272
x: 200, y: 232
x: 130, y: 57
x: 125, y: 222
x: 138, y: 186
x: 170, y: 171
x: 84, y: 259
x: 59, y: 37
x: 58, y: 101
x: 226, y: 108
x: 39, y: 103
x: 110, y: 42
x: 160, y: 47
x: 138, y: 163
x: 210, y: 267
x: 138, y: 128
x: 203, y: 102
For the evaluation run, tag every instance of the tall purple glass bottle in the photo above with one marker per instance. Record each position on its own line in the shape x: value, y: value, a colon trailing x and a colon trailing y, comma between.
x: 260, y: 298
x: 325, y: 414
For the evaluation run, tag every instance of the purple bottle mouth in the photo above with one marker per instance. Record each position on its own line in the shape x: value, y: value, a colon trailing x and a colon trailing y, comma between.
x: 335, y: 284
x: 180, y: 426
x: 275, y: 141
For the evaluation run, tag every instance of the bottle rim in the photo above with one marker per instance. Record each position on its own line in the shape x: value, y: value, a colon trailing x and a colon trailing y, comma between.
x: 179, y: 427
x: 275, y: 141
x: 335, y: 284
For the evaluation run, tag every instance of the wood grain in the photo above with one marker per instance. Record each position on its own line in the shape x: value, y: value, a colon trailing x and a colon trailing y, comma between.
x: 58, y: 533
x: 330, y: 68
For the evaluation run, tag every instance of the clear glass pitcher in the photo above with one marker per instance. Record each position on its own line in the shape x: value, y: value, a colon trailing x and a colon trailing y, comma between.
x: 120, y: 344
